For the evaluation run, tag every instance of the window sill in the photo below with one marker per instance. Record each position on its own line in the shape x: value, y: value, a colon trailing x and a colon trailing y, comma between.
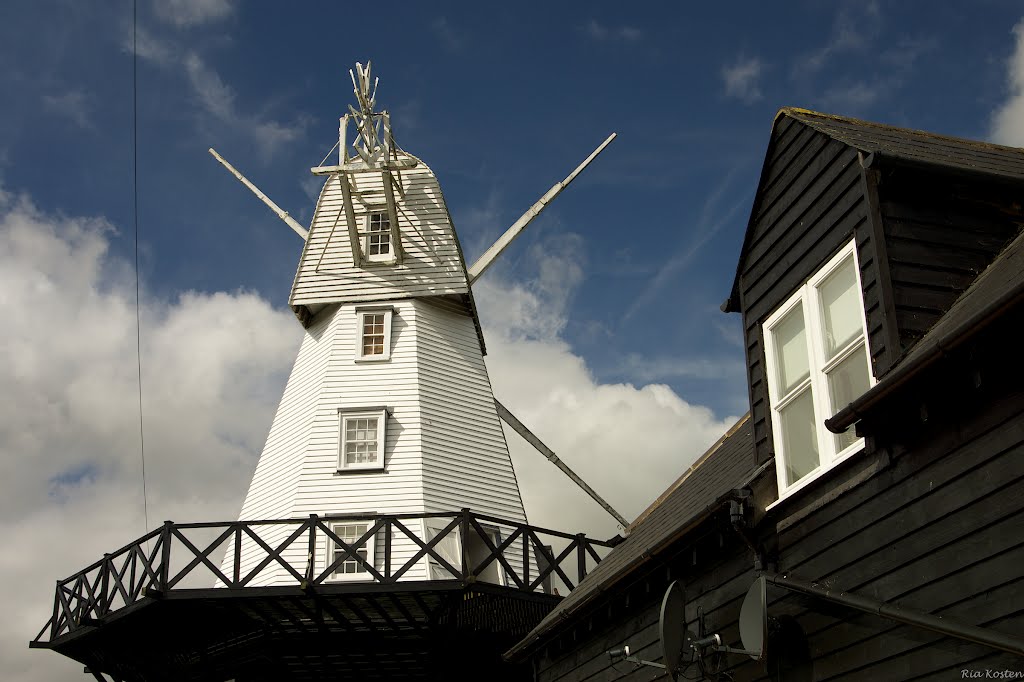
x: 350, y: 578
x: 359, y: 470
x: 370, y: 358
x: 820, y: 472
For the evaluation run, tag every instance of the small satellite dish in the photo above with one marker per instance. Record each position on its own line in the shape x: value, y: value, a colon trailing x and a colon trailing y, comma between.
x: 672, y: 627
x: 754, y: 619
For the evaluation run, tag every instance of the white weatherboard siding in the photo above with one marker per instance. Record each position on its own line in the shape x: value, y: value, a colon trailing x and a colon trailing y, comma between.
x: 444, y: 448
x: 432, y: 262
x: 273, y: 485
x: 465, y: 458
x: 350, y: 384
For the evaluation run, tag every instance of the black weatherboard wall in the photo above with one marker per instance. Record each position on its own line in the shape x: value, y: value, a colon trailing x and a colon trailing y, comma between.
x: 929, y: 516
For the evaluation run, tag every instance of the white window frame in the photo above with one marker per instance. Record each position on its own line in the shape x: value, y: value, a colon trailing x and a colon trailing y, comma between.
x: 808, y: 297
x: 452, y: 547
x: 345, y: 415
x: 361, y: 313
x: 388, y: 257
x: 370, y: 547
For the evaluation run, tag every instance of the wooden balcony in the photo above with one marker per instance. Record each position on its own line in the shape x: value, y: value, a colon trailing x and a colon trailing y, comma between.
x: 170, y: 606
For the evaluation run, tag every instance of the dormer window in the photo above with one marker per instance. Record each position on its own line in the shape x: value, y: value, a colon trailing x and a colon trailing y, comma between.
x: 377, y: 240
x: 817, y: 363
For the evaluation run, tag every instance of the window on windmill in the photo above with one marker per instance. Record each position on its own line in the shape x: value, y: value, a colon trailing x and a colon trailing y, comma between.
x: 817, y: 363
x: 374, y: 334
x: 362, y: 440
x: 377, y: 244
x: 349, y: 567
x: 451, y: 546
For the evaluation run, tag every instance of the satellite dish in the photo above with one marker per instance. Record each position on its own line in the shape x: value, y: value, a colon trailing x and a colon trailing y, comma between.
x: 754, y: 619
x: 672, y: 627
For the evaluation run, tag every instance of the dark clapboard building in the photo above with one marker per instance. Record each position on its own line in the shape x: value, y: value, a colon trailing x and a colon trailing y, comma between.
x: 877, y: 481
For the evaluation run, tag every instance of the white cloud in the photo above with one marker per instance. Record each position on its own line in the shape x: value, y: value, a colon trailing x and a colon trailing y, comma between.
x: 213, y: 370
x: 625, y: 440
x: 74, y: 105
x: 184, y: 13
x: 602, y: 32
x: 742, y: 79
x: 1008, y: 119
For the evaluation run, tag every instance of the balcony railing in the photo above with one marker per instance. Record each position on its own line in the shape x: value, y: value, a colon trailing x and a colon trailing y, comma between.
x: 181, y: 556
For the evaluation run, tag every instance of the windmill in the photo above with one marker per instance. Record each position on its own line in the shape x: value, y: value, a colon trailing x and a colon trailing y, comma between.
x: 389, y: 407
x: 383, y: 525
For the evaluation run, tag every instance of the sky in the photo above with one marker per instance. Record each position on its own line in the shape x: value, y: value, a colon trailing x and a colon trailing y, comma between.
x: 602, y: 321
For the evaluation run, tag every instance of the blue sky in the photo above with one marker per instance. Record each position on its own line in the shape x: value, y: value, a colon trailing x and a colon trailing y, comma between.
x: 501, y: 103
x: 602, y: 320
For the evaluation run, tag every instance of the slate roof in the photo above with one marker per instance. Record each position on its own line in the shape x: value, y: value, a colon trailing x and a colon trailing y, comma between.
x: 915, y: 146
x: 998, y: 288
x: 727, y: 465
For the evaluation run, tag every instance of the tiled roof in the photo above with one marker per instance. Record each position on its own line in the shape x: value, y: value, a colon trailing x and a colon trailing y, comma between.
x: 915, y: 146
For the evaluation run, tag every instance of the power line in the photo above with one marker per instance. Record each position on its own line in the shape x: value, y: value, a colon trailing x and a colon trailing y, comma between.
x: 135, y: 210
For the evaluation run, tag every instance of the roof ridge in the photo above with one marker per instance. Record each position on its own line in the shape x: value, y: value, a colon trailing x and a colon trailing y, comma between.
x: 686, y: 474
x: 799, y: 113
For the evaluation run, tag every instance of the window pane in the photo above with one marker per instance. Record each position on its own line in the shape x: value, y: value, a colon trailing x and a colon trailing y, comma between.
x: 361, y: 440
x: 790, y: 351
x: 840, y: 307
x: 448, y: 548
x: 799, y: 441
x: 349, y: 534
x: 846, y: 382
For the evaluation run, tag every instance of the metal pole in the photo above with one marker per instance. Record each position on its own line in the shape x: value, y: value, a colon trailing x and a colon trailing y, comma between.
x: 281, y: 213
x: 943, y: 626
x: 480, y: 266
x: 518, y: 426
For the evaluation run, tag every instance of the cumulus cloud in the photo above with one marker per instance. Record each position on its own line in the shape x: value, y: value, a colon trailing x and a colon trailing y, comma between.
x: 213, y: 370
x: 1008, y: 120
x: 742, y: 79
x: 625, y: 440
x: 184, y: 13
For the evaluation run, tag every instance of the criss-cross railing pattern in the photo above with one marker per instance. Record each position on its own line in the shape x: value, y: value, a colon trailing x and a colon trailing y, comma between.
x: 173, y: 555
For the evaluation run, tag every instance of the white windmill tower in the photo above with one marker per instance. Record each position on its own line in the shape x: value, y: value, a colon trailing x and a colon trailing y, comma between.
x: 388, y: 408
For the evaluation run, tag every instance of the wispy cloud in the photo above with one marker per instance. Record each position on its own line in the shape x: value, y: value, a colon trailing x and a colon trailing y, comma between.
x: 646, y: 369
x: 852, y: 97
x: 742, y: 79
x: 855, y: 27
x: 601, y: 32
x: 185, y: 13
x: 712, y: 218
x: 216, y: 98
x: 74, y: 105
x: 446, y: 34
x: 1008, y: 119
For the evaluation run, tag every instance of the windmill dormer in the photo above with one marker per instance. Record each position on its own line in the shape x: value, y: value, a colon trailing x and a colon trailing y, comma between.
x: 381, y: 229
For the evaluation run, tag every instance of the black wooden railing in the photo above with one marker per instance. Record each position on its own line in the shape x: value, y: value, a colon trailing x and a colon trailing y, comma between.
x: 179, y: 555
